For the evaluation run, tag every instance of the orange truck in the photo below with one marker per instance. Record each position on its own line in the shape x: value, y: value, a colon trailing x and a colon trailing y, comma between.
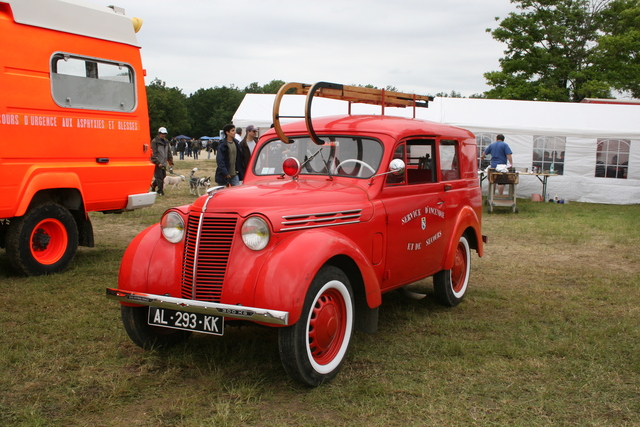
x: 74, y: 127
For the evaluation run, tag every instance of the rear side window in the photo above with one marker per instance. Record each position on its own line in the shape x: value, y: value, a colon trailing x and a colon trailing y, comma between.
x: 89, y: 83
x: 449, y: 165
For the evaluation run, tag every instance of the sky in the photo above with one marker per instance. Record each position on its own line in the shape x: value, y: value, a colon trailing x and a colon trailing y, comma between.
x: 416, y: 46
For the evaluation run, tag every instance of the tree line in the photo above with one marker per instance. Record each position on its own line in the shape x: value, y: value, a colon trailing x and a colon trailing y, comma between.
x: 556, y: 50
x: 203, y: 112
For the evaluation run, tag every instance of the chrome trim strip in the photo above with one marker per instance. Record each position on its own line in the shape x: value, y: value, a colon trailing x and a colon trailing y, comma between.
x: 275, y: 317
x: 211, y: 192
x: 319, y: 225
x: 352, y: 211
x: 333, y: 218
x: 196, y: 251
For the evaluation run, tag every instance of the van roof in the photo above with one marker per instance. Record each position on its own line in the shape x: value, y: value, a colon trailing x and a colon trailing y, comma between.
x: 75, y: 17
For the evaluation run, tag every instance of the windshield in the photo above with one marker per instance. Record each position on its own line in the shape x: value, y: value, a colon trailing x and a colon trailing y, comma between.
x: 339, y: 156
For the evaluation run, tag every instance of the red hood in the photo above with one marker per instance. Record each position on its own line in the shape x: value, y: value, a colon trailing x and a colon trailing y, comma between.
x: 326, y: 202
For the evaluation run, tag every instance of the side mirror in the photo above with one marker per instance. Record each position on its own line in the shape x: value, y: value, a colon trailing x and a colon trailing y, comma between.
x: 396, y: 167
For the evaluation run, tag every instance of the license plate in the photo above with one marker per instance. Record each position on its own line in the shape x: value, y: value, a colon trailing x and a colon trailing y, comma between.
x: 186, y: 321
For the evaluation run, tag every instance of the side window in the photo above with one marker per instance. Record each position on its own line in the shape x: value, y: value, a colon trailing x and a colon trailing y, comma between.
x: 449, y: 164
x: 398, y: 179
x: 548, y: 153
x: 420, y: 161
x: 89, y: 83
x: 612, y: 158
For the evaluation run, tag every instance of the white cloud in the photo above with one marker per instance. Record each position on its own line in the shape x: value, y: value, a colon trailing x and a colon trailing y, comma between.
x: 422, y: 46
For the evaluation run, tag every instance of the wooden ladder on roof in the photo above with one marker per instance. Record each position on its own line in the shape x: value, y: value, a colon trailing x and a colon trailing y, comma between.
x: 353, y: 94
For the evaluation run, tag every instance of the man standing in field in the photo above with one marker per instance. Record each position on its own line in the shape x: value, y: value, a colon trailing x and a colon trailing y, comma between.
x: 500, y: 155
x: 160, y: 157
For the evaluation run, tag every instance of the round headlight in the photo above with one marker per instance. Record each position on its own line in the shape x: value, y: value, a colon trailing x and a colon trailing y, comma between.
x: 255, y: 233
x: 172, y: 226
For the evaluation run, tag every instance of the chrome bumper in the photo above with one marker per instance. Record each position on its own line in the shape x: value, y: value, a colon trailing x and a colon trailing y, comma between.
x: 275, y: 317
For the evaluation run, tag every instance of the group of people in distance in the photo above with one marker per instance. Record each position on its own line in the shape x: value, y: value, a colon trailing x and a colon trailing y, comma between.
x: 232, y: 156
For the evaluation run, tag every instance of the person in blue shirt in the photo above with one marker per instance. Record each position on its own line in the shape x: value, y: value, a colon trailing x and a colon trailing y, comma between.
x: 500, y: 155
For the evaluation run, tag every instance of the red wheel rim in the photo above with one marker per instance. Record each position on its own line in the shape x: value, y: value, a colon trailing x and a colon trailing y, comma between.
x: 327, y: 326
x: 49, y: 241
x: 459, y: 270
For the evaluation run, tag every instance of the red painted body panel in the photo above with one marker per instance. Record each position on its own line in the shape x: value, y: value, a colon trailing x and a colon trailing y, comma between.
x: 401, y: 233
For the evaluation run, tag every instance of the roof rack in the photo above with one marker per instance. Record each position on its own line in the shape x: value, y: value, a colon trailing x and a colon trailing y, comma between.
x: 353, y: 94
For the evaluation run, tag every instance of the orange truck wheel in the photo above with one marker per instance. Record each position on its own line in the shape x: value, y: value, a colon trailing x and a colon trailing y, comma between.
x: 43, y: 241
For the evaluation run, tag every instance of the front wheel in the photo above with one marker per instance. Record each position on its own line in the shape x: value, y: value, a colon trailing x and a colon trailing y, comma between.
x: 451, y: 285
x: 146, y: 336
x: 43, y: 241
x: 313, y: 350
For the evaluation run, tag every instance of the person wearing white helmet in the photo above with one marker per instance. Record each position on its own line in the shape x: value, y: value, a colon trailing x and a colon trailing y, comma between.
x: 160, y: 157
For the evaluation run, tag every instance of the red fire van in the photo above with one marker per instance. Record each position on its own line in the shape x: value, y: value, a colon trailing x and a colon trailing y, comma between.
x: 333, y: 212
x: 74, y: 127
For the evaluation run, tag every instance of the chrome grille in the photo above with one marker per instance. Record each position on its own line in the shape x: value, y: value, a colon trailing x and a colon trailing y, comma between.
x: 216, y: 238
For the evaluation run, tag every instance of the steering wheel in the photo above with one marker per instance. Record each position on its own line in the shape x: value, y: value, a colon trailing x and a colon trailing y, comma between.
x: 356, y: 161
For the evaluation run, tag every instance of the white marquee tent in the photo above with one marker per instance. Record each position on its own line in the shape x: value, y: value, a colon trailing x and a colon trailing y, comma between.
x: 590, y: 144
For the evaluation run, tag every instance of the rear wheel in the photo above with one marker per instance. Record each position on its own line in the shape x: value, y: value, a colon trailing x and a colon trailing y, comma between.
x: 146, y: 336
x: 450, y: 286
x: 313, y: 350
x: 43, y: 241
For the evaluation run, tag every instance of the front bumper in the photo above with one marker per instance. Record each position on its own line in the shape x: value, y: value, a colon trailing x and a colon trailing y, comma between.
x: 262, y: 315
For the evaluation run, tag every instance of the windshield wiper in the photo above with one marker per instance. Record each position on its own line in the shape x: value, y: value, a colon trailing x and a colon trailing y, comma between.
x: 308, y: 159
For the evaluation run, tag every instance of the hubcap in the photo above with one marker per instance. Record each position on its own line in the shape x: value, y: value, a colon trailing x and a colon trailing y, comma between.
x: 459, y: 270
x: 48, y: 241
x: 327, y: 326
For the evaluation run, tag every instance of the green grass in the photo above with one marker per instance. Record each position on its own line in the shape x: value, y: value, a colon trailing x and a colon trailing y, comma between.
x: 549, y: 334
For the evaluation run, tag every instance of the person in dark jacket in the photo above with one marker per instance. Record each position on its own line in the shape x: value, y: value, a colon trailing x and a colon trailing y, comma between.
x: 160, y: 157
x: 248, y: 143
x: 181, y: 147
x: 230, y: 171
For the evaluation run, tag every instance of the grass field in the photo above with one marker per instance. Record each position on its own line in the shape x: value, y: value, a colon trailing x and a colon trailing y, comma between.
x: 549, y: 334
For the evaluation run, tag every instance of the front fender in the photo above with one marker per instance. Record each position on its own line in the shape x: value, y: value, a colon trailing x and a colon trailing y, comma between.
x: 467, y: 218
x: 290, y: 268
x: 151, y: 264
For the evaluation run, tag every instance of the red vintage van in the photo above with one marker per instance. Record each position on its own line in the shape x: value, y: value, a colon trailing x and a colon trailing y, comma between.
x: 334, y: 212
x: 74, y: 127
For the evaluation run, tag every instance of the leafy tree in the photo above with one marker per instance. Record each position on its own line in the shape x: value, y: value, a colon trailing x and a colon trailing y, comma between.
x: 272, y: 87
x: 390, y: 88
x: 211, y: 109
x: 554, y: 50
x: 167, y: 107
x: 618, y: 48
x: 453, y: 94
